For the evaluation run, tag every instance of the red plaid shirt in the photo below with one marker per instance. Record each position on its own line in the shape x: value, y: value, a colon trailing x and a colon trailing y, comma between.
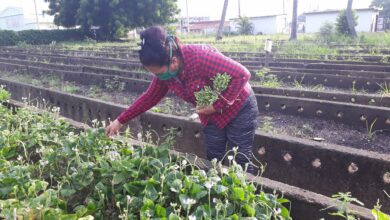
x: 200, y: 64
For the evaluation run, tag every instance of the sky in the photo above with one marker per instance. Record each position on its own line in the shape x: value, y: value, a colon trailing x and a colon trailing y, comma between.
x: 28, y: 5
x: 213, y: 8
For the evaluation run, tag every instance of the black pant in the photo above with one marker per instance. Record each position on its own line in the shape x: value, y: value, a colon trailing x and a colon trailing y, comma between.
x: 239, y: 132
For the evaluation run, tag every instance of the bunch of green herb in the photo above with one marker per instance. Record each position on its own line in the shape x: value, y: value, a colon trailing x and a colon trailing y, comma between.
x: 207, y: 96
x: 221, y: 82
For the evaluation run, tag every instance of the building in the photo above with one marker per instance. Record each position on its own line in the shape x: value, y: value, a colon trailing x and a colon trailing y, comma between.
x: 208, y: 27
x: 270, y: 24
x: 182, y: 24
x: 367, y: 19
x: 14, y: 18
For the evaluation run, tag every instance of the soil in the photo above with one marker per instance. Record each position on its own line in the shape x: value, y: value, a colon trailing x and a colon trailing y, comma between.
x: 330, y: 131
x: 271, y: 122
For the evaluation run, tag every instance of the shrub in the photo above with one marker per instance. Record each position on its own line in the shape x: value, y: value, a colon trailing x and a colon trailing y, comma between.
x: 35, y: 37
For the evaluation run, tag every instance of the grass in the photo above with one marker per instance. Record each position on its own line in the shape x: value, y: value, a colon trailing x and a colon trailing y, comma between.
x: 384, y: 89
x: 266, y: 79
x: 270, y: 81
x: 370, y: 128
x: 299, y: 85
x: 266, y: 125
x: 307, y: 46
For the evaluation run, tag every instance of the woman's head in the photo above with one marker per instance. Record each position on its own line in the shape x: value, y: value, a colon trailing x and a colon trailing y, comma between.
x: 159, y: 52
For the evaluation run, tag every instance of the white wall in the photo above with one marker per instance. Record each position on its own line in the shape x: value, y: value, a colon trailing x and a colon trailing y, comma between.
x: 315, y: 21
x: 266, y: 25
x: 15, y: 19
x: 12, y: 19
x: 366, y: 21
x: 282, y: 24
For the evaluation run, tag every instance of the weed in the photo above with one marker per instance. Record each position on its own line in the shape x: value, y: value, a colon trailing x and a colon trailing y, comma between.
x: 342, y: 201
x: 270, y: 81
x: 262, y: 72
x: 70, y: 87
x: 114, y: 84
x: 266, y: 125
x: 376, y: 212
x: 384, y: 59
x: 369, y: 127
x: 384, y: 89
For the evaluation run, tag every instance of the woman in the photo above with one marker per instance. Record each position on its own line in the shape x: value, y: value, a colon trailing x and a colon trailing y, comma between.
x: 186, y: 69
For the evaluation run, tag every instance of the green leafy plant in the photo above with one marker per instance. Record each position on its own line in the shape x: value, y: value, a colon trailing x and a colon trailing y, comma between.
x: 266, y: 79
x: 270, y: 81
x: 384, y: 59
x: 378, y: 215
x: 262, y: 72
x: 342, y: 201
x: 266, y: 125
x: 4, y: 95
x: 207, y: 96
x: 114, y: 84
x: 49, y: 171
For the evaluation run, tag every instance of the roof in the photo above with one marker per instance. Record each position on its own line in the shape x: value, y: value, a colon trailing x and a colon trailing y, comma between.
x: 264, y: 16
x: 206, y: 24
x: 337, y: 11
x: 11, y: 11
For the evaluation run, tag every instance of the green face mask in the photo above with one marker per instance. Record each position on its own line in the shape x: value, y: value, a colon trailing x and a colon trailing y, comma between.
x: 168, y: 74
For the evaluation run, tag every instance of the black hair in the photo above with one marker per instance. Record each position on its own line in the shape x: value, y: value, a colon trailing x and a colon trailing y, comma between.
x: 155, y: 47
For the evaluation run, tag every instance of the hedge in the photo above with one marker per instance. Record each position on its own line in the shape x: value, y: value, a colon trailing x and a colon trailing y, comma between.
x: 11, y: 38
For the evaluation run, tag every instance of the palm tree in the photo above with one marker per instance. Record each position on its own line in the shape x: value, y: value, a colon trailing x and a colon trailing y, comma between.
x: 294, y: 21
x: 222, y: 23
x: 245, y: 26
x: 350, y: 19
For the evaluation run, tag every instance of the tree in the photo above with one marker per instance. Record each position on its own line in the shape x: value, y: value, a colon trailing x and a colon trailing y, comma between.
x: 350, y: 20
x: 64, y: 11
x: 294, y: 21
x: 222, y: 22
x: 245, y: 26
x: 342, y: 23
x: 326, y: 32
x: 385, y: 12
x: 112, y: 17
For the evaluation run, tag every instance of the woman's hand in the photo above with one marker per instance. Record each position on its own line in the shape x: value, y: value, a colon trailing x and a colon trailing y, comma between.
x: 113, y: 128
x: 205, y: 110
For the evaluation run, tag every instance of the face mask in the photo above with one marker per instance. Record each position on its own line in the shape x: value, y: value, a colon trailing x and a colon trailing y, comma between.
x: 168, y: 74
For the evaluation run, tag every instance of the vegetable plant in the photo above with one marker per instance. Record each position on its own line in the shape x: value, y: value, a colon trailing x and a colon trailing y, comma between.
x: 208, y: 95
x: 51, y: 171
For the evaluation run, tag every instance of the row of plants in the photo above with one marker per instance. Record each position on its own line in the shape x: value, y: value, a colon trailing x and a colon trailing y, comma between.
x: 49, y: 171
x: 109, y: 91
x: 34, y: 37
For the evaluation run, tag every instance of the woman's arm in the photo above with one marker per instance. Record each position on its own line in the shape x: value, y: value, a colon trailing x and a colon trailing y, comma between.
x: 153, y: 95
x: 213, y: 62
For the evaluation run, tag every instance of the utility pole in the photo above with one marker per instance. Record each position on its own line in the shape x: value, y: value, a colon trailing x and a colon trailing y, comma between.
x: 36, y: 14
x: 188, y: 18
x: 239, y: 8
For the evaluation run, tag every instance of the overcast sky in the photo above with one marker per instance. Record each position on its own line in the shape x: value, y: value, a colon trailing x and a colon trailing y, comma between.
x: 28, y: 5
x: 213, y: 8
